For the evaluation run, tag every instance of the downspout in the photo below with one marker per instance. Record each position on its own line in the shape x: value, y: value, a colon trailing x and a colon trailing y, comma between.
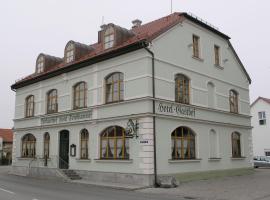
x: 154, y: 113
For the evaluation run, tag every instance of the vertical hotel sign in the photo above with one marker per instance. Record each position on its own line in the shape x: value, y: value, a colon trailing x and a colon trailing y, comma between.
x: 178, y: 110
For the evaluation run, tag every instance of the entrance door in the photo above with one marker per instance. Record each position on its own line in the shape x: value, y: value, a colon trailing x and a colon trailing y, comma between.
x: 64, y: 149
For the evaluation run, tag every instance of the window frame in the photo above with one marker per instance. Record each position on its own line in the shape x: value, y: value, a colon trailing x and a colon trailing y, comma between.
x: 28, y: 140
x: 46, y: 146
x: 236, y: 143
x: 110, y: 86
x: 29, y: 106
x: 70, y: 53
x: 52, y: 101
x: 217, y: 55
x: 85, y: 140
x: 40, y: 64
x: 233, y: 100
x: 110, y: 34
x: 196, y: 46
x: 77, y: 95
x: 182, y: 81
x: 191, y: 137
x: 108, y: 137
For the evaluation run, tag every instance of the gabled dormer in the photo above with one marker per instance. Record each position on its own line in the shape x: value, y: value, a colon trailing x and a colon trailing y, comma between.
x: 112, y: 35
x: 76, y: 50
x: 46, y: 62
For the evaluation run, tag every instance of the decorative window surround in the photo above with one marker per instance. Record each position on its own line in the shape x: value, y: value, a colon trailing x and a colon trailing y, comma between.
x: 113, y: 161
x: 185, y: 161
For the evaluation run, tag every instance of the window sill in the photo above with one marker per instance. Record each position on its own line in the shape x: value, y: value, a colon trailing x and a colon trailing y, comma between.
x: 185, y: 161
x: 238, y: 158
x: 218, y: 66
x: 197, y: 58
x: 112, y: 161
x: 83, y: 160
x: 214, y: 159
x: 26, y: 158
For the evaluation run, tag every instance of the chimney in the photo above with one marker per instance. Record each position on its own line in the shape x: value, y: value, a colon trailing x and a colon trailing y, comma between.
x: 103, y: 27
x: 136, y: 23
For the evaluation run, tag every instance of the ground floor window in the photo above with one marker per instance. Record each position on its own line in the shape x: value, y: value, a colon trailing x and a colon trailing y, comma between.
x: 46, y: 145
x: 114, y: 144
x: 84, y: 144
x: 183, y: 143
x: 28, y: 146
x: 236, y: 145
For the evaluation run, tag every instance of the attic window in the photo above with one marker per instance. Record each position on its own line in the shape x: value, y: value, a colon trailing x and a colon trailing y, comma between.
x: 109, y: 38
x: 40, y: 64
x: 70, y: 53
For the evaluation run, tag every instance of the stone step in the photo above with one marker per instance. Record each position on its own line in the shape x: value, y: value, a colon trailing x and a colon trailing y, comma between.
x: 71, y: 174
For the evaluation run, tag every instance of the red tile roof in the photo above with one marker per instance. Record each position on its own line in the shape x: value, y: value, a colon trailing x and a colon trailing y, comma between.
x: 262, y: 98
x: 6, y: 134
x: 146, y: 32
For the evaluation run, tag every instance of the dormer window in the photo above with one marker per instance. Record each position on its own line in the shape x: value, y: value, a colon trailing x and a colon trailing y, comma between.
x: 40, y: 64
x: 70, y: 53
x: 109, y: 38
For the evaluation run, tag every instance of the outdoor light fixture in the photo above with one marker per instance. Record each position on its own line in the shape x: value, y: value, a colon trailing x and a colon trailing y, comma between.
x: 132, y: 129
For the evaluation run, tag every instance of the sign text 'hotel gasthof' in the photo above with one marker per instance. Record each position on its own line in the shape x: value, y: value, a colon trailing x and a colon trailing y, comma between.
x: 65, y: 118
x: 176, y: 110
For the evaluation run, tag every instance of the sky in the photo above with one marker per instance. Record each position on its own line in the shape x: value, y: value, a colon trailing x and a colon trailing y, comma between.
x: 30, y: 27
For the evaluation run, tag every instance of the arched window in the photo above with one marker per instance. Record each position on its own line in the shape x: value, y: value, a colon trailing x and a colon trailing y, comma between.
x: 182, y: 89
x: 211, y: 95
x: 183, y: 143
x: 236, y: 145
x: 233, y: 101
x: 46, y: 147
x: 40, y: 64
x: 28, y: 146
x: 109, y: 38
x: 52, y: 105
x: 69, y: 54
x: 84, y: 144
x: 114, y: 87
x: 213, y: 144
x: 29, y: 106
x: 114, y: 144
x: 79, y: 95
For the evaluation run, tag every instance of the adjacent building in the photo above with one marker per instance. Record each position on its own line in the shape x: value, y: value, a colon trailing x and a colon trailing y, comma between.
x: 6, y: 141
x: 260, y: 110
x: 169, y: 96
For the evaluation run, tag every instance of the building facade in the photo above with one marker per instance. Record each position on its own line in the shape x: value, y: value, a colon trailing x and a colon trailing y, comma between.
x: 6, y: 141
x: 260, y: 110
x: 170, y: 96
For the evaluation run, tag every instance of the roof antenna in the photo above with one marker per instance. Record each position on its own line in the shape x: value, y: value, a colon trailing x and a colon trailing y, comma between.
x: 171, y: 6
x: 102, y: 21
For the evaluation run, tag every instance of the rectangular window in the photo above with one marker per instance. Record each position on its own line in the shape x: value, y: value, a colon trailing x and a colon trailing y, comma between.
x: 196, y: 46
x: 217, y: 55
x: 267, y: 153
x: 262, y: 118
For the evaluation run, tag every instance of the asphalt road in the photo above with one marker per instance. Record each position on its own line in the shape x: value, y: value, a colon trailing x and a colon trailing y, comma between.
x: 23, y: 188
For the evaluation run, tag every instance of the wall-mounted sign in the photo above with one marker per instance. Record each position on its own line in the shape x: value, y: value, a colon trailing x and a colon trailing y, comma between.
x: 176, y: 110
x: 73, y: 150
x: 132, y: 129
x: 65, y: 118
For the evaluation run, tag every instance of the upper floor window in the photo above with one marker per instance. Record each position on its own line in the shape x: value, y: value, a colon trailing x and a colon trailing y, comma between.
x: 262, y: 117
x: 217, y: 55
x: 40, y: 64
x: 109, y: 38
x: 79, y: 95
x: 236, y: 145
x: 196, y: 46
x: 114, y: 87
x: 69, y: 53
x: 46, y: 147
x: 28, y: 146
x: 52, y: 105
x: 182, y: 89
x: 233, y: 101
x: 114, y: 144
x: 29, y: 106
x: 84, y: 144
x: 183, y: 143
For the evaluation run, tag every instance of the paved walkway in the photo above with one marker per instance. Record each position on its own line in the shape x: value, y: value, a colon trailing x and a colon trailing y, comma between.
x: 248, y: 187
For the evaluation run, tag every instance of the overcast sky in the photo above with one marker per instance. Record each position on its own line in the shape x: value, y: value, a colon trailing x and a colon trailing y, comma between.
x: 30, y: 27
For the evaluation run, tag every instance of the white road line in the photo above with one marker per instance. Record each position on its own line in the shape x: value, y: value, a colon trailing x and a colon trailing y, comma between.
x: 10, y: 192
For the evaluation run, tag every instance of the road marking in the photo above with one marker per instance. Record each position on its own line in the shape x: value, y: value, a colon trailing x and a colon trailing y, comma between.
x: 10, y: 192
